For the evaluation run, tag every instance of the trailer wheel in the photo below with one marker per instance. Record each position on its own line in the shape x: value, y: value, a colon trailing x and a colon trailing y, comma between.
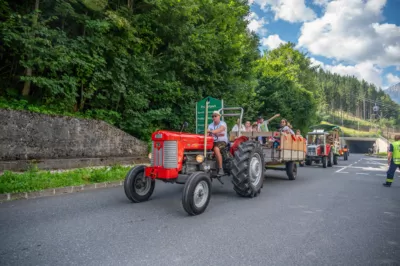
x: 324, y: 161
x: 291, y: 170
x: 196, y: 193
x: 248, y: 169
x: 138, y: 188
x: 330, y: 160
x: 308, y: 162
x: 335, y: 159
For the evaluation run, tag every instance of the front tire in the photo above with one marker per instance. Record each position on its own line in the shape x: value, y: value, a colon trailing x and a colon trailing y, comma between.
x: 137, y: 187
x: 248, y: 169
x: 196, y: 193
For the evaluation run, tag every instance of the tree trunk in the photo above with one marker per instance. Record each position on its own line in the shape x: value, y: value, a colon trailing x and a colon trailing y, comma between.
x: 28, y: 72
x: 130, y: 4
x: 82, y: 100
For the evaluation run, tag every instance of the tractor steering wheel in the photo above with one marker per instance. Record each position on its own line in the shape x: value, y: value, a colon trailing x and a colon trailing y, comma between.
x: 213, y: 135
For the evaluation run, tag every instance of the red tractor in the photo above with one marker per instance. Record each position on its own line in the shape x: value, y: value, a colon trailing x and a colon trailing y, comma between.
x: 323, y: 145
x: 188, y: 159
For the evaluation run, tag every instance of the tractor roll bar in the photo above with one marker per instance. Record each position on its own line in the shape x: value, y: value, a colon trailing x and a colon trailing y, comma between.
x: 233, y: 114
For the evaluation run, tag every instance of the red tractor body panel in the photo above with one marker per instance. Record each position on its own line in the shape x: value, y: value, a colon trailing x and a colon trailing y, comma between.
x: 167, y: 160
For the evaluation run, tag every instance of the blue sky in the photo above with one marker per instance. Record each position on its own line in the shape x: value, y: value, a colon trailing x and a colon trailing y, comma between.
x: 348, y: 37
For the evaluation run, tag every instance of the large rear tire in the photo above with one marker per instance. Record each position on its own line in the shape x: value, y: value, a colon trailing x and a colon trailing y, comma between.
x: 248, y: 169
x: 196, y: 193
x: 335, y: 159
x: 324, y: 161
x: 137, y: 187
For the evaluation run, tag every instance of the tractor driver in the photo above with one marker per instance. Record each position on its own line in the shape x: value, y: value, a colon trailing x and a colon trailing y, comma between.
x: 218, y: 128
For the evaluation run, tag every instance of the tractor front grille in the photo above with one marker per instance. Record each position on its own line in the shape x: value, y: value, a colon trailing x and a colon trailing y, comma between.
x: 165, y: 156
x: 311, y: 151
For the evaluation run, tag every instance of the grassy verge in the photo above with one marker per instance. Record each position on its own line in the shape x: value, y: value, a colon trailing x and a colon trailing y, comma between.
x: 34, y: 180
x: 349, y: 132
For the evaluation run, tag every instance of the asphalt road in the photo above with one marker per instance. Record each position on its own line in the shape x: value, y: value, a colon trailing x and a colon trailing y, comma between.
x: 335, y: 216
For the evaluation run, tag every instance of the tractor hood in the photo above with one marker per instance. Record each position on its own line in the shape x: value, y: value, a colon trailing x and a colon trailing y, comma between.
x: 312, y: 146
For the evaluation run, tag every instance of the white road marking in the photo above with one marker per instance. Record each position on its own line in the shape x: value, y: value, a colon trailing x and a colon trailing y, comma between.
x: 362, y: 174
x: 366, y: 168
x: 338, y: 171
x: 380, y: 175
x: 343, y: 172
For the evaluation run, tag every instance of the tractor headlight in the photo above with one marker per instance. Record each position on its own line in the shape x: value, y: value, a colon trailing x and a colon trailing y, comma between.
x: 199, y: 158
x: 150, y: 156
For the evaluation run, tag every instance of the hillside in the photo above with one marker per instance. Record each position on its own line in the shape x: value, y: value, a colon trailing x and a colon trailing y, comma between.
x: 394, y: 92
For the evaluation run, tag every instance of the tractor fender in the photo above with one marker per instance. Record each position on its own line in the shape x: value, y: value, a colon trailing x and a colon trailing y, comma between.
x: 236, y: 144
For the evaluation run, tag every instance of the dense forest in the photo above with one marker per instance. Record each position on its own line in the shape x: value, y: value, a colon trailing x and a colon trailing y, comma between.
x: 357, y: 98
x: 143, y: 64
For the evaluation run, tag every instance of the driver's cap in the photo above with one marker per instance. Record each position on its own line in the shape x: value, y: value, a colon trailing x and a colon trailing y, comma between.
x: 216, y: 113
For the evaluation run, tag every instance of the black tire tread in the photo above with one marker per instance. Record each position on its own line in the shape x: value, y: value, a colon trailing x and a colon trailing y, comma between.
x: 186, y: 193
x: 290, y: 167
x: 324, y: 162
x: 128, y: 185
x: 240, y: 178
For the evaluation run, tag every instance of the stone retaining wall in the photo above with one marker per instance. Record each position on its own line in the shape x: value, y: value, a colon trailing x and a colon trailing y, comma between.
x: 32, y: 136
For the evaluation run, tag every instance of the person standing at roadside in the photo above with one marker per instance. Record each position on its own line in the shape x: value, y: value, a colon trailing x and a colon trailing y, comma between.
x: 393, y: 160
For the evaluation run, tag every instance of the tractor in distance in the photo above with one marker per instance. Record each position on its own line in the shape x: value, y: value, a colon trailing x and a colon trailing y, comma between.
x: 186, y: 158
x: 323, y: 145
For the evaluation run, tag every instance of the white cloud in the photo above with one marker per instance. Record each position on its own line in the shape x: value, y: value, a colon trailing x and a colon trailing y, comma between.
x: 398, y: 68
x: 320, y: 2
x: 365, y: 70
x: 315, y: 62
x: 256, y: 24
x: 289, y: 10
x: 392, y: 79
x: 350, y: 30
x: 272, y: 41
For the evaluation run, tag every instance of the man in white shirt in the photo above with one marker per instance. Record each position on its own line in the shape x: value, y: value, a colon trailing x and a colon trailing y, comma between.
x: 219, y: 130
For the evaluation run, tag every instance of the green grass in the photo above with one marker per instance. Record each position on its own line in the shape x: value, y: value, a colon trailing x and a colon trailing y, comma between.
x: 34, y: 180
x: 349, y: 132
x: 350, y: 119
